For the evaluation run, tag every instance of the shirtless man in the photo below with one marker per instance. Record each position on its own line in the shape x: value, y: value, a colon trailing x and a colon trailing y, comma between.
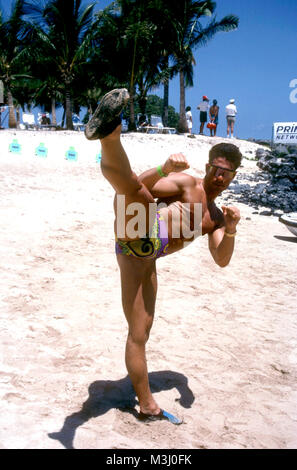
x: 137, y: 256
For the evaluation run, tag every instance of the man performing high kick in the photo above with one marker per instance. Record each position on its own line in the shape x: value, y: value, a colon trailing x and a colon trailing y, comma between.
x: 181, y: 194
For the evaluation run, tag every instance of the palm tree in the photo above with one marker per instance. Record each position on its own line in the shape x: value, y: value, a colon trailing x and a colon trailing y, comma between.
x: 49, y: 95
x: 145, y: 38
x: 13, y: 31
x: 136, y: 32
x: 63, y: 31
x: 157, y: 32
x: 162, y: 14
x: 190, y: 34
x: 124, y: 34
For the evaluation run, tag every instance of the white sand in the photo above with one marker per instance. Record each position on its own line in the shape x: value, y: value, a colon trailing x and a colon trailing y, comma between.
x: 223, y: 349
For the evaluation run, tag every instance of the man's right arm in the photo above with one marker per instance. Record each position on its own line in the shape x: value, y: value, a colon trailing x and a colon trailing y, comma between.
x: 175, y: 184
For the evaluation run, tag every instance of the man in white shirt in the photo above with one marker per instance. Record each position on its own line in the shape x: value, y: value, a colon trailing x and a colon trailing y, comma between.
x: 189, y: 118
x: 203, y: 106
x: 231, y: 112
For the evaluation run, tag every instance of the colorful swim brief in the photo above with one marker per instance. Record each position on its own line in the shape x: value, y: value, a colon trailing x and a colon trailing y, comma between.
x: 151, y: 247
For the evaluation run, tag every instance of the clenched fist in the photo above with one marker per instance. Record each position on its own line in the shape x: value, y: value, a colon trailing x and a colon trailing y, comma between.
x: 175, y: 163
x: 232, y: 217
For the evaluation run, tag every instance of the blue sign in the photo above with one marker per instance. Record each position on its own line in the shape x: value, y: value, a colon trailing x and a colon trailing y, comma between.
x: 71, y: 154
x: 15, y: 147
x: 41, y: 151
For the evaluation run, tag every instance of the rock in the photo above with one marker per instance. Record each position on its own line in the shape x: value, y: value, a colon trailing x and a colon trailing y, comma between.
x: 281, y: 150
x: 274, y: 185
x: 285, y: 182
x: 291, y: 148
x: 268, y: 213
x: 260, y: 188
x: 261, y: 152
x: 277, y: 213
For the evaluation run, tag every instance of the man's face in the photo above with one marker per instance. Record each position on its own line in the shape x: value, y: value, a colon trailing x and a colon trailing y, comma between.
x: 219, y: 174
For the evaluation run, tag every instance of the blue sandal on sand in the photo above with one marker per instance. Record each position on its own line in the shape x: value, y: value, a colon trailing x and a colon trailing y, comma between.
x: 162, y: 415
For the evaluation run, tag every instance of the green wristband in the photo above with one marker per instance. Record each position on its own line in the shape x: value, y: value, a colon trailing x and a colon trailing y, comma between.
x: 159, y: 170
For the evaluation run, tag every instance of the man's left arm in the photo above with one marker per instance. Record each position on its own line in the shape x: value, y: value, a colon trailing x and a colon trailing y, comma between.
x: 221, y: 241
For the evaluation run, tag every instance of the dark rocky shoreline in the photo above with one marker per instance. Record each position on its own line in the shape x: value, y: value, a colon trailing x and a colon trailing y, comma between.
x: 272, y: 190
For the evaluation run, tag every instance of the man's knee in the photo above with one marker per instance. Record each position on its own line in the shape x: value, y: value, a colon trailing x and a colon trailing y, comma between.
x: 140, y: 336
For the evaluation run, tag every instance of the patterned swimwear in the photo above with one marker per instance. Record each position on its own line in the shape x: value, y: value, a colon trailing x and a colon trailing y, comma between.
x: 151, y: 247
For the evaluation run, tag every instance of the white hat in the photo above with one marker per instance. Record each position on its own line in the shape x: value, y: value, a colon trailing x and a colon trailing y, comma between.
x: 232, y: 101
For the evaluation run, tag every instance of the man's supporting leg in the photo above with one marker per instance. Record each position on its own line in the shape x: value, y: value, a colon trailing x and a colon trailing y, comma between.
x: 139, y: 290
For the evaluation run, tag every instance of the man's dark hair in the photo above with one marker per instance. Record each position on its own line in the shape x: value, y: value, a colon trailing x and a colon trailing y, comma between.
x: 228, y: 151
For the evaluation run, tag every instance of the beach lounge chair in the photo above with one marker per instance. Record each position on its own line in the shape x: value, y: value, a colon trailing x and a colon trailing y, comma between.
x: 157, y: 127
x: 157, y: 122
x: 77, y: 124
x: 29, y: 121
x: 45, y: 122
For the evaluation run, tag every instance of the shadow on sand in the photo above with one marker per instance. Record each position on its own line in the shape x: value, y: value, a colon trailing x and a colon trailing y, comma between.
x: 105, y: 395
x: 286, y: 239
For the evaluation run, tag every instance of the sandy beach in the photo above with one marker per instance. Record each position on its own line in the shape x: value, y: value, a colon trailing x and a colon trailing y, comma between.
x: 223, y: 349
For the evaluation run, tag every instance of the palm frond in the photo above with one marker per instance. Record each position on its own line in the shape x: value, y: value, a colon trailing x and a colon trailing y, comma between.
x: 203, y: 35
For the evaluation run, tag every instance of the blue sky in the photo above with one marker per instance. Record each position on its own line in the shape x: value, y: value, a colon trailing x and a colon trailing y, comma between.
x: 255, y: 65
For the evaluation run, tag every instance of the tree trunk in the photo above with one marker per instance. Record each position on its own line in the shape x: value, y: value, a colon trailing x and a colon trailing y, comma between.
x: 166, y: 97
x: 132, y: 125
x: 69, y: 123
x: 12, y: 124
x: 54, y: 117
x: 142, y: 100
x: 165, y: 104
x: 1, y: 93
x: 63, y: 119
x: 18, y: 116
x: 182, y: 126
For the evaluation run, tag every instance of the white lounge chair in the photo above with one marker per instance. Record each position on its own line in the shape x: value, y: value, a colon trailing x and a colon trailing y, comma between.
x: 29, y: 121
x: 77, y: 124
x: 157, y: 127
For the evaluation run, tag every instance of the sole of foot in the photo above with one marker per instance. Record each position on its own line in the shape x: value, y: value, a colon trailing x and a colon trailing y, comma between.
x: 107, y: 115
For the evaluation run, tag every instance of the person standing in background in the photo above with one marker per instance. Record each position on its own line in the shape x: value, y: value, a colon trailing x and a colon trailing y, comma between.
x: 203, y: 107
x: 214, y: 117
x: 189, y: 119
x: 231, y: 112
